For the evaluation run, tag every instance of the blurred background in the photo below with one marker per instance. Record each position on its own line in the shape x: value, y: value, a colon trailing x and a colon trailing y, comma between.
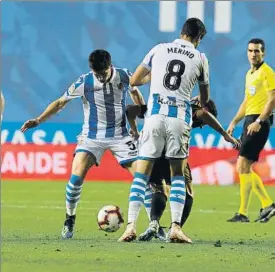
x: 45, y: 47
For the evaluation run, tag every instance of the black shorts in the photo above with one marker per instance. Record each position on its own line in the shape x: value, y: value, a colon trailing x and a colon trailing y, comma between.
x: 252, y: 145
x: 161, y: 171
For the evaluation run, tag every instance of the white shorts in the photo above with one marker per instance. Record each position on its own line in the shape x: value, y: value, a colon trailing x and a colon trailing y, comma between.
x: 162, y: 133
x: 125, y: 149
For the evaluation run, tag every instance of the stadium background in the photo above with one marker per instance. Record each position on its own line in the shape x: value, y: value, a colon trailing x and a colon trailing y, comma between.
x: 45, y: 48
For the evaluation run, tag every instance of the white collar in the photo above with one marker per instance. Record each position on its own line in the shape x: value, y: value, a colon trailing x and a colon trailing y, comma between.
x: 184, y: 42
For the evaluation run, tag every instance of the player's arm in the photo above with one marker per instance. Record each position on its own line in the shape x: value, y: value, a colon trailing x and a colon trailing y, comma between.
x: 203, y: 80
x: 51, y: 110
x: 136, y: 96
x: 238, y: 117
x: 75, y: 90
x: 269, y: 106
x: 132, y: 111
x: 208, y: 119
x: 142, y: 75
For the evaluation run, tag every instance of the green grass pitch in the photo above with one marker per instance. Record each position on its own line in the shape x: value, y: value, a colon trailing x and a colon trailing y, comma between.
x: 33, y: 214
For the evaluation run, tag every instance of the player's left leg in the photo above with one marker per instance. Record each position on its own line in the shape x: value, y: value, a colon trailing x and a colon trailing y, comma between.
x: 177, y: 151
x: 82, y: 162
x: 268, y: 206
x: 152, y: 141
x: 250, y: 150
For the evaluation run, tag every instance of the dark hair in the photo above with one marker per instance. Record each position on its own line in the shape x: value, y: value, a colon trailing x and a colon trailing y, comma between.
x: 194, y: 28
x: 100, y: 60
x: 211, y: 107
x: 258, y: 41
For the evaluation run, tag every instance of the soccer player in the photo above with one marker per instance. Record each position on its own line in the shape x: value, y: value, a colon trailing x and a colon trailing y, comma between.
x: 157, y: 191
x: 175, y: 68
x: 256, y: 108
x: 103, y: 92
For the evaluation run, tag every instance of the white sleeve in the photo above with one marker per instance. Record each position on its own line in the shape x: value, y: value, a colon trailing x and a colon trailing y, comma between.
x: 76, y: 90
x: 204, y: 76
x: 147, y: 61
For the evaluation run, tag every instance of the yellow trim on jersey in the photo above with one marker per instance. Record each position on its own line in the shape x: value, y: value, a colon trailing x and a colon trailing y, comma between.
x: 257, y: 86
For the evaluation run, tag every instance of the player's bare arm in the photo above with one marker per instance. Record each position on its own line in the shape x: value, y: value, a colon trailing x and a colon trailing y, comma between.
x: 238, y: 117
x: 140, y: 76
x: 208, y: 119
x: 204, y: 94
x: 270, y: 105
x: 132, y: 112
x: 136, y: 96
x: 51, y: 110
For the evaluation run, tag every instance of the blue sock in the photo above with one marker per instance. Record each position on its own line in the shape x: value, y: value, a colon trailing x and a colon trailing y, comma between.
x: 137, y: 195
x: 73, y: 191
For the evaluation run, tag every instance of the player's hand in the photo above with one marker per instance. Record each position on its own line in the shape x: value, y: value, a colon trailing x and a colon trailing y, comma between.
x: 236, y: 143
x: 252, y: 128
x: 231, y: 128
x: 134, y: 133
x: 29, y: 124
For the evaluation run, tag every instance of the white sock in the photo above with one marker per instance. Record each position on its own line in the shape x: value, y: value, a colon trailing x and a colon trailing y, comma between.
x: 177, y: 198
x: 148, y: 200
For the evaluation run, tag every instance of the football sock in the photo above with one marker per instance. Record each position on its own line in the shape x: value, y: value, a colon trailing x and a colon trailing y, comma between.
x: 177, y: 198
x: 187, y: 209
x: 158, y: 205
x: 260, y: 191
x: 137, y: 195
x: 245, y: 192
x: 73, y: 191
x: 148, y: 200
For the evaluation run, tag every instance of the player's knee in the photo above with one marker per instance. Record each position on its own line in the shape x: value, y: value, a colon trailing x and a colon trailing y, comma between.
x: 243, y: 166
x: 144, y: 167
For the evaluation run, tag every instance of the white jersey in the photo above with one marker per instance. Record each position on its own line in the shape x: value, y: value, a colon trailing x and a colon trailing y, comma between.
x: 175, y: 69
x: 103, y: 104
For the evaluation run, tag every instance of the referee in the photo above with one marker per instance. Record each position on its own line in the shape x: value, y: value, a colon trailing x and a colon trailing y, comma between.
x: 256, y: 108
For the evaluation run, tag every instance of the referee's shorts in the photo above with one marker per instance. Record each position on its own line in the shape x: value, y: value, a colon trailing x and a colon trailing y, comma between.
x: 253, y: 144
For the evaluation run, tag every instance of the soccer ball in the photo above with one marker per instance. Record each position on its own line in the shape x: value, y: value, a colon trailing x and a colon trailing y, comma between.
x: 110, y: 218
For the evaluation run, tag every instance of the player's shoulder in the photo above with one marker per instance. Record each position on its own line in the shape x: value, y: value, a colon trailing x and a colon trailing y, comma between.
x: 160, y: 46
x: 124, y: 74
x: 85, y: 76
x: 125, y: 71
x: 267, y: 68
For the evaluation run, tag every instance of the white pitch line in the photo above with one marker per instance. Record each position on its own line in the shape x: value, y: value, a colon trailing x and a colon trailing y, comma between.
x: 91, y: 208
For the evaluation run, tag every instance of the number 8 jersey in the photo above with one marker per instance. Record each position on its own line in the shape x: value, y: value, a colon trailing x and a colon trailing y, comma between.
x: 175, y: 69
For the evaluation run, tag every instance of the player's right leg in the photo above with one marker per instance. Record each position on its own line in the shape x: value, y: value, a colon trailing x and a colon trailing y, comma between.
x: 86, y: 155
x: 157, y: 203
x: 136, y: 198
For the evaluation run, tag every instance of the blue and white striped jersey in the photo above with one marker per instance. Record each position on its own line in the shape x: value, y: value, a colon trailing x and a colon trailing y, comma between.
x: 103, y: 104
x: 175, y: 69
